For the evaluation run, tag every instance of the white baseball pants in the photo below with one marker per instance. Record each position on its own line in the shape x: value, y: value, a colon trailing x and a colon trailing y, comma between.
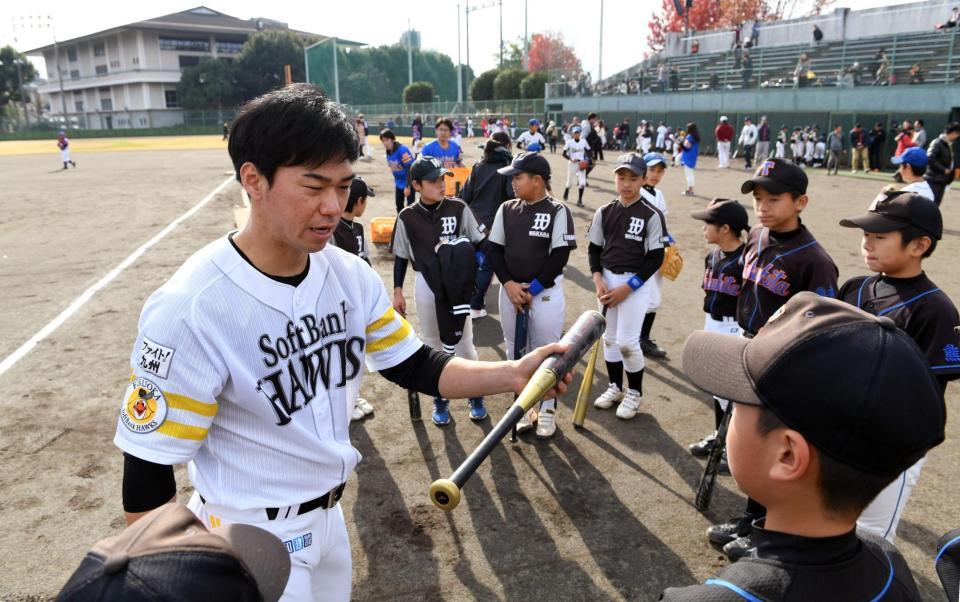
x: 728, y: 325
x: 723, y: 154
x: 574, y: 172
x: 883, y: 514
x: 621, y: 339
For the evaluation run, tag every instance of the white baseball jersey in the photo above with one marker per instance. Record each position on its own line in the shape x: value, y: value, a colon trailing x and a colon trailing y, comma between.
x: 252, y: 381
x: 576, y: 149
x: 656, y: 198
x: 527, y: 139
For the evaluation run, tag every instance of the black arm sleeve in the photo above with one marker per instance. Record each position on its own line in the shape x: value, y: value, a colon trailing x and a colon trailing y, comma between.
x: 651, y: 263
x: 593, y: 254
x: 554, y: 266
x: 498, y: 262
x: 420, y: 372
x: 146, y: 485
x: 399, y: 271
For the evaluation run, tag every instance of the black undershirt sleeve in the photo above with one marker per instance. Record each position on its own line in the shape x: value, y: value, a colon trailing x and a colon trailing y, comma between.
x: 498, y: 262
x: 146, y: 485
x: 593, y: 254
x: 399, y: 271
x: 554, y: 266
x: 419, y: 372
x: 651, y: 263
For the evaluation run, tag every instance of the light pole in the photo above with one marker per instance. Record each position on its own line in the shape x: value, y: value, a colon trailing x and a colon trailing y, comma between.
x: 459, y: 65
x: 600, y: 66
x: 409, y: 53
x: 469, y: 9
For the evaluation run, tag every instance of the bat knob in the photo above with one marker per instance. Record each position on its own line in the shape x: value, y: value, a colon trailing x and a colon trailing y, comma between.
x: 445, y: 494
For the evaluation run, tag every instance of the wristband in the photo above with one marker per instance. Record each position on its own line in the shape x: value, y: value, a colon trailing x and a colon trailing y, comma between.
x: 481, y: 257
x: 535, y: 287
x: 635, y: 282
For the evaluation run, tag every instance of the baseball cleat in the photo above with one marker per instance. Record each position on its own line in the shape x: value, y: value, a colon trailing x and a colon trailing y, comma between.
x: 701, y: 449
x: 723, y: 533
x: 357, y: 413
x: 441, y: 411
x: 740, y: 547
x: 629, y: 405
x: 547, y: 425
x: 528, y: 420
x: 651, y: 349
x: 364, y: 406
x: 612, y: 395
x: 477, y: 411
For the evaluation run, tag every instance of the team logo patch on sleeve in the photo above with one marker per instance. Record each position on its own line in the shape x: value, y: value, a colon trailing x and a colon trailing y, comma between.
x: 144, y: 407
x: 155, y: 358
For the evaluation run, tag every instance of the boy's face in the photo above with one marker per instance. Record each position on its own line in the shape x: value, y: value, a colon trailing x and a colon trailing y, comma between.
x: 628, y: 184
x: 443, y: 132
x: 525, y: 187
x: 885, y: 252
x: 430, y: 190
x: 779, y: 212
x: 302, y: 207
x: 359, y: 206
x: 748, y: 452
x: 655, y: 174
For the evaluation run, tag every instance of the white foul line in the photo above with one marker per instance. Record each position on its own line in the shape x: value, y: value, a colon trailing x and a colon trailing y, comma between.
x: 9, y: 361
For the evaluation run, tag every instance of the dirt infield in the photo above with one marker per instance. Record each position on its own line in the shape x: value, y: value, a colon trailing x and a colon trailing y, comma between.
x: 603, y: 513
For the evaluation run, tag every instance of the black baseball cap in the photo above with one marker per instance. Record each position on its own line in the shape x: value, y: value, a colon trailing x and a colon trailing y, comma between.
x: 168, y: 554
x: 834, y: 373
x: 632, y: 161
x: 428, y: 168
x: 897, y: 209
x: 724, y: 211
x: 776, y: 176
x: 359, y: 188
x: 527, y: 162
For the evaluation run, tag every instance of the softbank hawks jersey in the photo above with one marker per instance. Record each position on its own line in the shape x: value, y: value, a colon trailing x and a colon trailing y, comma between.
x: 252, y: 381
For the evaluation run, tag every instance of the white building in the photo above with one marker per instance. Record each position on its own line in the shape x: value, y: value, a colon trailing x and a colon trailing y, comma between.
x: 126, y: 77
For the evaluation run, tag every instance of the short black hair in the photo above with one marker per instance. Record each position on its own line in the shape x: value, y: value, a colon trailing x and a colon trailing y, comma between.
x: 911, y: 233
x: 918, y: 170
x: 845, y: 490
x: 352, y: 200
x: 444, y: 121
x: 293, y: 125
x: 388, y: 133
x: 952, y: 127
x: 591, y: 116
x: 920, y: 121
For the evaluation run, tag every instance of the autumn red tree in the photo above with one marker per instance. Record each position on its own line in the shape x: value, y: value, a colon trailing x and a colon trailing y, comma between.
x: 548, y: 52
x: 718, y: 14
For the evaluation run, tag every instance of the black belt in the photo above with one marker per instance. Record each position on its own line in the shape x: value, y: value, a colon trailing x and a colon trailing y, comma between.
x: 327, y: 500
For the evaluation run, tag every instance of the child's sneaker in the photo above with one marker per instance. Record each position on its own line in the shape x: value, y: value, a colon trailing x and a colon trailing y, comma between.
x: 477, y: 411
x: 441, y: 411
x: 612, y: 395
x: 630, y: 405
x: 364, y: 406
x: 547, y: 425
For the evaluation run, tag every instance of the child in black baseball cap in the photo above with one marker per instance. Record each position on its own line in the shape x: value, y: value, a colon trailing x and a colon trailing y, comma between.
x: 819, y: 428
x: 900, y: 230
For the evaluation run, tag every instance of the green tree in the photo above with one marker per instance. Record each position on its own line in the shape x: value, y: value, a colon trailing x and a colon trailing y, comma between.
x: 482, y: 87
x: 261, y: 61
x: 212, y: 84
x: 532, y: 85
x: 418, y: 92
x: 512, y: 55
x: 9, y: 84
x: 507, y: 84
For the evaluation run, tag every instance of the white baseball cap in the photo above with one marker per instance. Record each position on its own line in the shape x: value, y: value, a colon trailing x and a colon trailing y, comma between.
x: 723, y: 118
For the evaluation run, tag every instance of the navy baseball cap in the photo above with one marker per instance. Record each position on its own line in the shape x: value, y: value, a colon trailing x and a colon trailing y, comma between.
x: 724, y: 211
x: 632, y: 161
x: 527, y: 162
x: 915, y: 156
x: 533, y: 122
x: 897, y: 209
x: 359, y: 188
x: 776, y: 176
x: 834, y: 373
x: 168, y: 554
x: 428, y: 168
x: 652, y: 159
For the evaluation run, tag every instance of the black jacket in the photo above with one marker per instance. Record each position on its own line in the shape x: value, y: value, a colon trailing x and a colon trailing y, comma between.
x: 451, y: 273
x: 939, y: 159
x: 485, y: 190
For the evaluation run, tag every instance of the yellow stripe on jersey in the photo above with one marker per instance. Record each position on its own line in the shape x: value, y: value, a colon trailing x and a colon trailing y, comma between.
x: 382, y: 321
x: 182, y: 431
x: 182, y: 402
x: 391, y: 339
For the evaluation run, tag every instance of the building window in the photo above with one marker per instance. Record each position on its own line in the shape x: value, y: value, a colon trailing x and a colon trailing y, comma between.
x: 78, y: 106
x: 104, y: 89
x: 188, y: 61
x: 72, y: 55
x: 171, y: 97
x: 114, y: 64
x: 229, y: 47
x: 99, y: 49
x: 106, y: 104
x: 136, y: 60
x: 101, y: 69
x: 75, y: 74
x: 167, y: 43
x: 142, y: 121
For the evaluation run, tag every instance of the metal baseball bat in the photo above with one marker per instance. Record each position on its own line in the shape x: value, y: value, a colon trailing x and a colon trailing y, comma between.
x: 586, y: 385
x: 709, y: 478
x: 519, y: 350
x: 413, y: 400
x: 445, y: 493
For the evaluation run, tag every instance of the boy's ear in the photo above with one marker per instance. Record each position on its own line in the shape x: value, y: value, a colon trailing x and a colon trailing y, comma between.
x: 801, y: 202
x: 794, y: 458
x: 919, y: 245
x: 415, y: 185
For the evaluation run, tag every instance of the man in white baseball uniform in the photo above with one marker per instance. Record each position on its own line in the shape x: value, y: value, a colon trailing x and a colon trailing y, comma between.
x: 575, y: 151
x: 249, y: 357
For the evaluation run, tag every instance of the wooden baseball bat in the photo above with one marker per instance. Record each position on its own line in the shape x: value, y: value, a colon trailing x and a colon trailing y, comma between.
x: 586, y: 385
x: 445, y: 493
x: 519, y: 350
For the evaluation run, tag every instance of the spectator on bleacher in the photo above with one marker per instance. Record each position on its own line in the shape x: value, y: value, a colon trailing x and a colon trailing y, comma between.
x: 940, y: 161
x: 737, y: 56
x: 688, y: 156
x: 858, y: 149
x: 763, y: 140
x: 817, y: 35
x: 917, y: 74
x: 755, y: 33
x: 746, y: 72
x: 724, y: 135
x: 801, y: 70
x: 845, y: 78
x: 904, y: 138
x: 714, y: 82
x: 875, y: 140
x: 663, y: 77
x: 695, y: 47
x: 953, y: 20
x: 747, y: 141
x: 660, y: 145
x: 674, y: 78
x: 882, y: 74
x: 919, y: 134
x: 835, y: 147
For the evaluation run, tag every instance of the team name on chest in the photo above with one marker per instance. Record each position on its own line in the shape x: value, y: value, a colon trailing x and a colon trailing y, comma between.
x: 312, y: 354
x: 540, y: 226
x: 767, y: 276
x: 721, y: 283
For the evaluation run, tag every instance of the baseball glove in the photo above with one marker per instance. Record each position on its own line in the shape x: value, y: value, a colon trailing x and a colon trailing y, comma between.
x: 672, y: 263
x: 584, y: 164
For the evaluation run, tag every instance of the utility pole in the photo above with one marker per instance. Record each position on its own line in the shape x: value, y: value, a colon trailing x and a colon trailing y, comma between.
x: 501, y: 33
x: 526, y: 40
x: 336, y: 74
x: 600, y: 67
x: 466, y: 14
x: 56, y: 50
x: 459, y: 65
x: 409, y: 53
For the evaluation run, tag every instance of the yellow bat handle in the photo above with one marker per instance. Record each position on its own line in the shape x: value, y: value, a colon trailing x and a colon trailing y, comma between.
x: 583, y: 401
